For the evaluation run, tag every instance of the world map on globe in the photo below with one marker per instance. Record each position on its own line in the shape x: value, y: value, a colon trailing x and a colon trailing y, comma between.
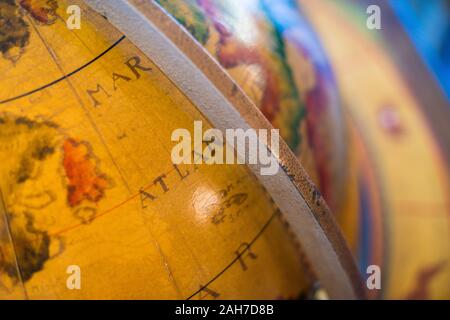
x: 87, y: 180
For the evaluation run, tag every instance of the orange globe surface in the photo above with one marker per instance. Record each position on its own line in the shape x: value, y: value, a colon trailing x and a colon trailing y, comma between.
x: 88, y: 183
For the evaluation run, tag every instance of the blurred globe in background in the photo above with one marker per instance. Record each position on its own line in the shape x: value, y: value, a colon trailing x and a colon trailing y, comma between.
x: 366, y: 113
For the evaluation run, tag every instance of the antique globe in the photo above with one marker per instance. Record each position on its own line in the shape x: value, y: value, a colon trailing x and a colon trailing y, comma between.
x: 88, y: 186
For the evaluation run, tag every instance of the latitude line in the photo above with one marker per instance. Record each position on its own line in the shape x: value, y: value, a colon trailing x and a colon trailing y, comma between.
x: 238, y: 256
x: 65, y: 76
